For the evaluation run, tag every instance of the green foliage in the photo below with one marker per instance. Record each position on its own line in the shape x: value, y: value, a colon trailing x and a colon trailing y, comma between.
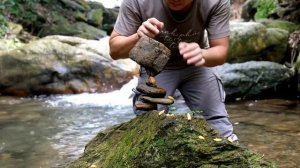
x: 3, y: 25
x: 20, y: 11
x: 265, y: 8
x: 3, y: 21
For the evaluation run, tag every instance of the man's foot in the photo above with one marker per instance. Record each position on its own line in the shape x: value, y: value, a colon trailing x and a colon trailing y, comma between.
x: 233, y: 139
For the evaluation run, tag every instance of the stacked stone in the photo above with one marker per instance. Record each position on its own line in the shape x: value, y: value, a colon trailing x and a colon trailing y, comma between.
x: 153, y: 56
x: 151, y: 96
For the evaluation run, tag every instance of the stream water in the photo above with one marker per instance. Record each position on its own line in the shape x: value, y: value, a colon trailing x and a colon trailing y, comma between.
x: 48, y: 132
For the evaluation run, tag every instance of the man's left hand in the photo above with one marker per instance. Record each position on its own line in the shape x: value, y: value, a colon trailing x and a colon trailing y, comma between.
x: 192, y: 53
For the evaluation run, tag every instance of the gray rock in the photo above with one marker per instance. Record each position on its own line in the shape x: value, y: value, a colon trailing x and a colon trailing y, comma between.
x: 58, y: 65
x: 252, y: 78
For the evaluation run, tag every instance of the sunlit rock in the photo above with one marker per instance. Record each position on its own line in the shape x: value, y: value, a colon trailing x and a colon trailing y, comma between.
x: 57, y: 65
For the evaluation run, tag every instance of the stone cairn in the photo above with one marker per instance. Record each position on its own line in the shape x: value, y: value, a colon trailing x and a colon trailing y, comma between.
x: 153, y: 56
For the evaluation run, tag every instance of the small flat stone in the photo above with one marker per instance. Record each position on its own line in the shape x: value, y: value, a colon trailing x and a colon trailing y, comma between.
x: 151, y: 91
x: 163, y: 101
x: 139, y: 105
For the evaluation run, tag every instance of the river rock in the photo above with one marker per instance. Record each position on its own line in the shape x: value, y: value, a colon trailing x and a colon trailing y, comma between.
x: 252, y: 78
x: 140, y: 105
x: 58, y: 65
x: 252, y: 41
x: 150, y: 54
x: 161, y: 140
x: 151, y: 91
x: 164, y: 101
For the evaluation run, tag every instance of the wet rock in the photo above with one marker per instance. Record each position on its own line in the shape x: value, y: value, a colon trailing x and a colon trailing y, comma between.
x: 251, y: 41
x: 150, y: 54
x: 151, y: 81
x: 151, y: 95
x: 164, y: 101
x: 151, y: 91
x: 145, y: 106
x: 59, y: 65
x: 252, y: 78
x: 153, y: 140
x: 157, y: 55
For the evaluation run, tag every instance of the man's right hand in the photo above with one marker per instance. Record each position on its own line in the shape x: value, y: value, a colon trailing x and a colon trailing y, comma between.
x: 120, y: 46
x: 150, y: 28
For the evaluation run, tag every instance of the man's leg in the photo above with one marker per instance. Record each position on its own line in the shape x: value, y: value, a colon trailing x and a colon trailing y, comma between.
x: 203, y: 91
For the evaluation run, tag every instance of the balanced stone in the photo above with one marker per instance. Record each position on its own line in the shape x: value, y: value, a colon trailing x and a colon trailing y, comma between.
x: 151, y: 91
x: 139, y: 105
x: 153, y: 56
x: 163, y: 101
x: 150, y: 54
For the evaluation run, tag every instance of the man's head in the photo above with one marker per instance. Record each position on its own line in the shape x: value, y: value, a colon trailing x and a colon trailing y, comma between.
x: 179, y: 5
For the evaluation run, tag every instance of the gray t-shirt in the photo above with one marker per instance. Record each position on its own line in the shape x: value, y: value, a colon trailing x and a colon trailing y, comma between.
x: 209, y: 15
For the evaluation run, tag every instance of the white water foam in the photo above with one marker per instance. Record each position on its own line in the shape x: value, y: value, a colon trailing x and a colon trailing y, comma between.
x: 115, y: 99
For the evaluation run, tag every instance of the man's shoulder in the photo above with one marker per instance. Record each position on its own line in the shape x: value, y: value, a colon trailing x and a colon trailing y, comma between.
x: 208, y: 4
x: 142, y: 6
x: 137, y: 2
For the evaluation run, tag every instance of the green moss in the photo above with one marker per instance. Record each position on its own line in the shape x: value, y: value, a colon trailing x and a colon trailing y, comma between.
x: 281, y: 24
x: 153, y: 140
x: 265, y: 8
x: 3, y: 24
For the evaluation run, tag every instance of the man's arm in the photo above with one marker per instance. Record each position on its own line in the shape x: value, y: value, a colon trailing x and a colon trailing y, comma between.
x: 120, y: 46
x: 213, y: 56
x: 217, y: 53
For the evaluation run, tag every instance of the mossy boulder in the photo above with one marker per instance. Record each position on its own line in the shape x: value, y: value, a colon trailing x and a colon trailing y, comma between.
x: 78, y: 29
x: 281, y: 24
x: 80, y: 18
x: 153, y: 140
x: 274, y: 9
x: 253, y: 41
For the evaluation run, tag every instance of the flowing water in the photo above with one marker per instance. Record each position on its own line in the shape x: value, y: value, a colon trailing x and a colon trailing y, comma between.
x: 48, y: 132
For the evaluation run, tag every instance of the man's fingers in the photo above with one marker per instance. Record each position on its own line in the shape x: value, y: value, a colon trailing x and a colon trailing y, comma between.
x: 159, y: 25
x: 151, y: 27
x: 196, y: 60
x: 192, y: 53
x: 142, y: 31
x: 187, y: 47
x: 182, y: 45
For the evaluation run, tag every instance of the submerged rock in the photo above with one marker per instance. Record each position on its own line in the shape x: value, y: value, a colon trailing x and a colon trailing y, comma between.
x: 162, y: 140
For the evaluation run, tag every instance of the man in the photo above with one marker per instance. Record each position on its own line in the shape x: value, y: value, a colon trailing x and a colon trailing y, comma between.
x: 180, y: 25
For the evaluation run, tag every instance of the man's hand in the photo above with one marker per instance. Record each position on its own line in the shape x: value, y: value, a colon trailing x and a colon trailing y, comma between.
x: 150, y: 28
x: 192, y: 53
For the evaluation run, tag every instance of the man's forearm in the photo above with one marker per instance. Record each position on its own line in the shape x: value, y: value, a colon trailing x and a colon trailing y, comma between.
x: 120, y: 46
x: 217, y: 53
x: 215, y: 56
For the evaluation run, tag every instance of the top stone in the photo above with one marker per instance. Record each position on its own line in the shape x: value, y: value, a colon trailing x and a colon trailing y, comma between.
x: 150, y: 54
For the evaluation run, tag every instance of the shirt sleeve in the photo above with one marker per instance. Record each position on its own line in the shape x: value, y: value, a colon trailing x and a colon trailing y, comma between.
x: 218, y: 24
x: 129, y: 18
